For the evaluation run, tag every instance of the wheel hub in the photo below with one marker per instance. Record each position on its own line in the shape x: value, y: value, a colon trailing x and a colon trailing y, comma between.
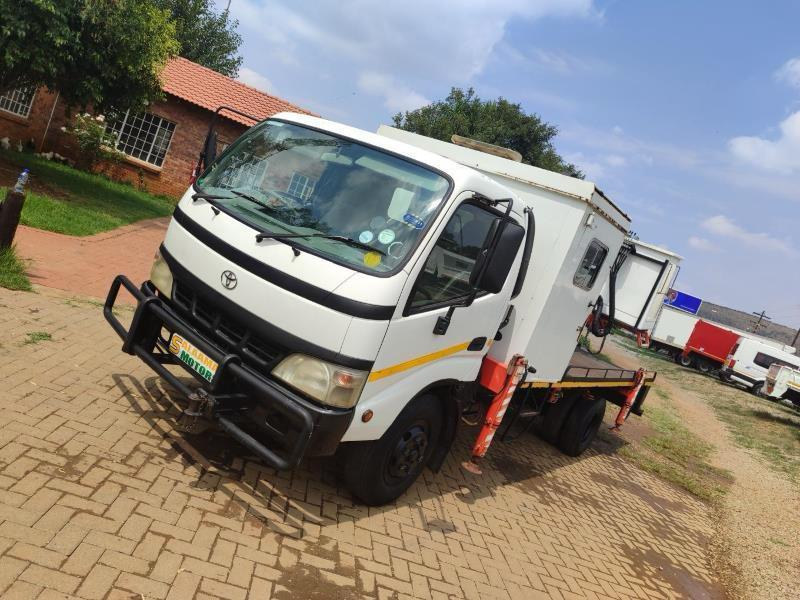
x: 409, y: 452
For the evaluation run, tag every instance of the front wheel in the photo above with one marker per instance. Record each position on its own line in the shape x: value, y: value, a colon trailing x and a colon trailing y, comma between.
x: 685, y: 360
x: 758, y: 389
x: 379, y: 471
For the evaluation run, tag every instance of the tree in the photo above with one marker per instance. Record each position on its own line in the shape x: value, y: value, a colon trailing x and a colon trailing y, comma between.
x: 498, y: 122
x: 94, y: 52
x: 205, y: 36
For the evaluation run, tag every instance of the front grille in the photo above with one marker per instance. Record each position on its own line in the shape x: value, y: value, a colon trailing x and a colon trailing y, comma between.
x: 231, y: 335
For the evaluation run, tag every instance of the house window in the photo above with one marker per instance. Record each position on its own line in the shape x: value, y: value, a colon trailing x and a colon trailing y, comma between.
x: 143, y: 136
x: 589, y: 268
x: 301, y: 186
x: 18, y: 101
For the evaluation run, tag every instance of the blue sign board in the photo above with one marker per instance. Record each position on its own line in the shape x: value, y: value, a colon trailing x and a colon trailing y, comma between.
x: 682, y: 301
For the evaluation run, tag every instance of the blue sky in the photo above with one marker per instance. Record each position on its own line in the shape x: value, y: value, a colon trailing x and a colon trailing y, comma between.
x: 686, y: 113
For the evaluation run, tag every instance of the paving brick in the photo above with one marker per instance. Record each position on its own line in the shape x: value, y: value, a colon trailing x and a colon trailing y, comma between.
x: 100, y: 497
x: 51, y: 578
x: 98, y: 582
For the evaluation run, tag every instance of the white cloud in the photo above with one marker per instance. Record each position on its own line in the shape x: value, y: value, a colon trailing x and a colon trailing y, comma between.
x: 396, y: 97
x: 593, y: 169
x: 449, y: 40
x: 699, y: 243
x: 789, y: 73
x: 615, y: 160
x: 722, y: 226
x: 256, y: 80
x: 781, y: 155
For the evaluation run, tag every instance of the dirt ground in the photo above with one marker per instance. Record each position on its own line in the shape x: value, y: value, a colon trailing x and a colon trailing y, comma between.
x: 756, y: 543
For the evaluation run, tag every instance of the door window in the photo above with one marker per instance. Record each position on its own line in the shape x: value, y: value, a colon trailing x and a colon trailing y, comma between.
x: 765, y: 360
x: 447, y: 271
x: 589, y: 268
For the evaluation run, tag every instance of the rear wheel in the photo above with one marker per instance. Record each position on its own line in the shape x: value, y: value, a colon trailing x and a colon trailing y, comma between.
x: 554, y: 417
x: 379, y: 471
x: 758, y: 389
x: 581, y: 426
x: 703, y: 365
x: 685, y: 360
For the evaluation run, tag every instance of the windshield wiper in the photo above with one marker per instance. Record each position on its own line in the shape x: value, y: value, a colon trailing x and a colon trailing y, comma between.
x: 252, y: 199
x: 328, y: 236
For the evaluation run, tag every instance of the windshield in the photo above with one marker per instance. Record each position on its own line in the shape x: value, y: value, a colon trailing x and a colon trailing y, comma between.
x: 288, y: 179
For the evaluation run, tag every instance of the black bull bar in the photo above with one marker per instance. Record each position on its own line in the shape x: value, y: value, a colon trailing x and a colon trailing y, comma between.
x: 143, y: 339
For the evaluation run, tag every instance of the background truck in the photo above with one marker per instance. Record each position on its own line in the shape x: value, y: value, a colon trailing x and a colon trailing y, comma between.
x: 750, y: 359
x: 783, y: 383
x: 336, y: 292
x: 708, y: 346
x: 644, y: 280
x: 672, y: 330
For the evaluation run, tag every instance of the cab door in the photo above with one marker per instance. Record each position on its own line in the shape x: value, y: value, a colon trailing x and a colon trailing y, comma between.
x: 416, y: 353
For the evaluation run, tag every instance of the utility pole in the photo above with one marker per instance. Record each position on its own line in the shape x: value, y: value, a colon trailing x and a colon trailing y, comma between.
x: 796, y: 335
x: 761, y: 316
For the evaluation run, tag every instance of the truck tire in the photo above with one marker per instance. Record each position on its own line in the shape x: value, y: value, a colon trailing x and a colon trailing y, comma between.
x: 685, y: 360
x: 379, y: 471
x: 581, y: 426
x: 554, y: 417
x: 758, y: 389
x: 703, y: 365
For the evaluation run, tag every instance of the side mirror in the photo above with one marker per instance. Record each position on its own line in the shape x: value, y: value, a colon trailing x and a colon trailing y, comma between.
x: 210, y: 147
x: 494, y: 262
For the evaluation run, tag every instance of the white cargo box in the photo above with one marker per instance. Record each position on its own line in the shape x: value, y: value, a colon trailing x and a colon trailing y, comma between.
x: 643, y: 283
x: 555, y: 299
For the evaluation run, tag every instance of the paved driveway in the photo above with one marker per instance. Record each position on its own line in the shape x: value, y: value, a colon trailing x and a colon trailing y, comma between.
x: 100, y: 498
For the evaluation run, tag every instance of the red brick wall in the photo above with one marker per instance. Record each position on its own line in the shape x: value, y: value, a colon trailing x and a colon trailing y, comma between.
x: 18, y: 129
x: 172, y: 179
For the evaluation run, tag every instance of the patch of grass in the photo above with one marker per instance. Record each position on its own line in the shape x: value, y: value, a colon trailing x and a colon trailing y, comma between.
x: 73, y: 202
x: 770, y: 429
x: 677, y: 455
x: 34, y: 337
x: 12, y: 271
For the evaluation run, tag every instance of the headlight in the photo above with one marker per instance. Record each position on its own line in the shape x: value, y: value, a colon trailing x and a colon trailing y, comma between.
x: 328, y: 383
x: 161, y: 276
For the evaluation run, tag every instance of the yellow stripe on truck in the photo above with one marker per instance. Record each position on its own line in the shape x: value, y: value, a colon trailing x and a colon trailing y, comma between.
x: 415, y: 362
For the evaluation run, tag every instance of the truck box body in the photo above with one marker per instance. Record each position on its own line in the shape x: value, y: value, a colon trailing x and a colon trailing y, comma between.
x: 643, y: 282
x: 673, y: 328
x: 550, y: 310
x: 711, y: 341
x: 783, y: 382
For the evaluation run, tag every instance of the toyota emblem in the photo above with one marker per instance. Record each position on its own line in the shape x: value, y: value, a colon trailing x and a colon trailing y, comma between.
x: 229, y: 280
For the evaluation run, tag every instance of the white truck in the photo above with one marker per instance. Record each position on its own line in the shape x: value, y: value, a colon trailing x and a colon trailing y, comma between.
x: 643, y: 282
x: 335, y: 291
x: 783, y: 383
x: 750, y: 359
x: 672, y: 330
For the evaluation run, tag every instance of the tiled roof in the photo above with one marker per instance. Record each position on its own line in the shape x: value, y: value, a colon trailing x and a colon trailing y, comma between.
x: 208, y: 89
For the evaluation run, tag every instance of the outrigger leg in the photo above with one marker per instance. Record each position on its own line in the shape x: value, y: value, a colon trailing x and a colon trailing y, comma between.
x: 630, y: 398
x: 495, y: 413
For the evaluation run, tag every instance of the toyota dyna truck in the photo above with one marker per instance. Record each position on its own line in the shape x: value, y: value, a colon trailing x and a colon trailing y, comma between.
x: 322, y: 290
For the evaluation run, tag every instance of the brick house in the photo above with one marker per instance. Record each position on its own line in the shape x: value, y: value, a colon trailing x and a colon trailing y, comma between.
x: 162, y: 144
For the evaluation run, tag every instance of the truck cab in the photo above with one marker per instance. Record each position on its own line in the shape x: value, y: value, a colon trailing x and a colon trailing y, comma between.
x: 335, y: 291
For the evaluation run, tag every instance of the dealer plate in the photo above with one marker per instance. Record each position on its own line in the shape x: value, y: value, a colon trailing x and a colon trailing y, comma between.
x: 192, y: 357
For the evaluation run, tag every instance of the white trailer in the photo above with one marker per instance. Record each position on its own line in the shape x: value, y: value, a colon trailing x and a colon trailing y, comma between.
x: 643, y: 282
x: 783, y: 383
x: 334, y: 291
x: 672, y: 330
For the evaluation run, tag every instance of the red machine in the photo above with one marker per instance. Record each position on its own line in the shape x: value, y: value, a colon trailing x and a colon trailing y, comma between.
x: 708, y: 346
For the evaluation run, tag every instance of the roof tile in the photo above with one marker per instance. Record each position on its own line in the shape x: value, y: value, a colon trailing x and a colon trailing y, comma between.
x: 208, y: 89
